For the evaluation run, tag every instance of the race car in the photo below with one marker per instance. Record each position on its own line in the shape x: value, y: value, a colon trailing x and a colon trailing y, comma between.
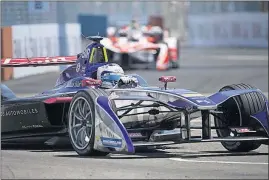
x: 101, y: 110
x: 146, y: 47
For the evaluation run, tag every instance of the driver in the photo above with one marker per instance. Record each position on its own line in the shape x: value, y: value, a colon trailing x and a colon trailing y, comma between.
x: 134, y: 25
x: 134, y: 31
x: 112, y: 76
x: 93, y: 63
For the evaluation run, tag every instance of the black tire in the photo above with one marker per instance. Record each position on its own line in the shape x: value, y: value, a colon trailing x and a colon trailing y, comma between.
x: 178, y: 52
x: 147, y: 149
x: 175, y: 64
x: 238, y: 110
x: 125, y: 62
x: 88, y: 150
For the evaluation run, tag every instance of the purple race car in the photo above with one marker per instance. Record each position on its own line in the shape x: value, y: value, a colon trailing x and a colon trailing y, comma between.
x: 102, y: 110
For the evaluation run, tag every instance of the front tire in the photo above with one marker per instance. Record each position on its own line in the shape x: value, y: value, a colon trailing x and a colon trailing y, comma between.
x: 237, y: 113
x: 81, y: 125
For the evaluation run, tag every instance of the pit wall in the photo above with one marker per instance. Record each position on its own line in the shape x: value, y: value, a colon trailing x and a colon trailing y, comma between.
x: 36, y: 40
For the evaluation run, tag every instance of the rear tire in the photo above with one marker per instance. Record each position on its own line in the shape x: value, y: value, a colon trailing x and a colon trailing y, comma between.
x: 82, y: 109
x: 238, y: 111
x: 176, y: 64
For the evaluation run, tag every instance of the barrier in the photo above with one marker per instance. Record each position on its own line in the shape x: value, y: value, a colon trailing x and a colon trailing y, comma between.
x: 6, y: 51
x: 248, y: 29
x: 38, y: 40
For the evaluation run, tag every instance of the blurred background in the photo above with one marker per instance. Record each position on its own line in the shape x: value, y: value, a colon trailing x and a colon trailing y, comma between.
x: 221, y: 42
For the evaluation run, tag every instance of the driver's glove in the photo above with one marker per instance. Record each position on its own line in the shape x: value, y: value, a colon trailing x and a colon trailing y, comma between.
x: 127, y: 80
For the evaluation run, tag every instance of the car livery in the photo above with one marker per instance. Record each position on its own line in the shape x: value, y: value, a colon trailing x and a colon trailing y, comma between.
x: 98, y: 121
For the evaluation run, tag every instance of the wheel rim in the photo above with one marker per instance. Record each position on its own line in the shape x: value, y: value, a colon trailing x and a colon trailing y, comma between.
x: 80, y: 123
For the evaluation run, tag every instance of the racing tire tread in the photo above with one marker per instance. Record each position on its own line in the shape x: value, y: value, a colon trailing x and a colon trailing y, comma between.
x: 249, y: 104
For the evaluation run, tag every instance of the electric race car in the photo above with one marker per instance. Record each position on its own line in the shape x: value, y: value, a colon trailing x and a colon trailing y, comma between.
x: 142, y: 48
x: 101, y: 110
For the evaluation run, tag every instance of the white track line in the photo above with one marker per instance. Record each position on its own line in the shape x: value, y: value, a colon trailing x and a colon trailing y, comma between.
x: 218, y: 162
x: 242, y: 58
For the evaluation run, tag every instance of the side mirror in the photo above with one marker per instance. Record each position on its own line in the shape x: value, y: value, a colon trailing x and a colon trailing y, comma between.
x: 166, y: 79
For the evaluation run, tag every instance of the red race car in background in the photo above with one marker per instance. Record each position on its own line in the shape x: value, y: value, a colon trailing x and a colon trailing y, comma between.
x: 146, y: 47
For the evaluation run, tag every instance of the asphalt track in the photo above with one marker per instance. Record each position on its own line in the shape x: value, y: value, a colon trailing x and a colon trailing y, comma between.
x: 202, y: 70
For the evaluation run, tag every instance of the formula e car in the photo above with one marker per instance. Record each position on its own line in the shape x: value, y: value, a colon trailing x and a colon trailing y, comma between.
x: 140, y: 49
x: 131, y: 114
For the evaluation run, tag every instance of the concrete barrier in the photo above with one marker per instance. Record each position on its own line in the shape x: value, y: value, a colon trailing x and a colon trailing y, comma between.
x: 242, y: 29
x: 36, y: 40
x: 6, y: 51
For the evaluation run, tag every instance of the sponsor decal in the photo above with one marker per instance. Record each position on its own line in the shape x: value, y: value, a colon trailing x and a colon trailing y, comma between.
x: 111, y: 142
x: 83, y: 69
x: 76, y: 84
x: 32, y: 126
x: 78, y: 67
x: 203, y: 101
x: 19, y: 112
x: 109, y: 133
x: 242, y: 130
x: 197, y: 98
x: 106, y: 131
x: 192, y: 95
x: 134, y: 135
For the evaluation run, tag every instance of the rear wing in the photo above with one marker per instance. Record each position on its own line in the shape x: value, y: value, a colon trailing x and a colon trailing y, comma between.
x: 38, y: 61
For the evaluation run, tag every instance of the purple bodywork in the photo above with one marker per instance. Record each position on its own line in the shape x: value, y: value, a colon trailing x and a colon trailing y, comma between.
x: 83, y: 69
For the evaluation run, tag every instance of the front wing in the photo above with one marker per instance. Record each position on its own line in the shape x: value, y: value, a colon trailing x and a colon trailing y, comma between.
x: 112, y: 136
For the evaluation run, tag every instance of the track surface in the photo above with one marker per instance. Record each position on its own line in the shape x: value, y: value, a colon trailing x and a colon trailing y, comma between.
x: 203, y: 70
